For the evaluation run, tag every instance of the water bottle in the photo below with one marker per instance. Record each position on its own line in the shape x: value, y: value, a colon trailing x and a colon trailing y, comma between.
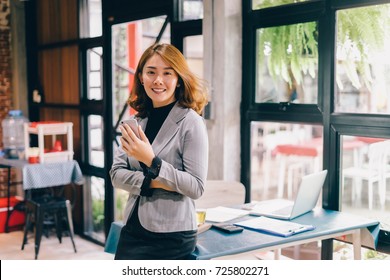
x: 13, y: 134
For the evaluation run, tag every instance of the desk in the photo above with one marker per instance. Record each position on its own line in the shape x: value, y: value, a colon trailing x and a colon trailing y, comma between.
x: 329, y: 224
x: 43, y: 175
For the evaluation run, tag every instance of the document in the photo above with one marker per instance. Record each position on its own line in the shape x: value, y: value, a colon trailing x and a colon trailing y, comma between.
x: 222, y: 214
x: 274, y: 226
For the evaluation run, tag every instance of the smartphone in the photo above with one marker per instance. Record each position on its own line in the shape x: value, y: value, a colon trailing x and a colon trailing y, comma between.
x: 133, y: 125
x: 228, y: 228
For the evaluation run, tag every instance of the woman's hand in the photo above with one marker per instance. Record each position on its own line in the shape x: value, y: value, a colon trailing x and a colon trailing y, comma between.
x: 138, y: 148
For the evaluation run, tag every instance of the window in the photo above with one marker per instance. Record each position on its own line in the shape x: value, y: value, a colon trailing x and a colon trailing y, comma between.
x: 191, y: 9
x: 362, y: 61
x: 95, y: 74
x: 95, y: 18
x: 365, y: 175
x: 337, y: 53
x: 287, y: 63
x: 95, y: 136
x: 94, y: 196
x: 193, y: 52
x: 281, y: 153
x: 129, y: 40
x: 90, y: 18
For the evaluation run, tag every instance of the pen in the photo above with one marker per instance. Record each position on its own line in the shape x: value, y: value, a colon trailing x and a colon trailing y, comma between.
x: 298, y: 230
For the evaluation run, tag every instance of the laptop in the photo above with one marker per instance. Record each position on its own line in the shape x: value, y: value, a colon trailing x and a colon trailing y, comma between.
x: 306, y: 199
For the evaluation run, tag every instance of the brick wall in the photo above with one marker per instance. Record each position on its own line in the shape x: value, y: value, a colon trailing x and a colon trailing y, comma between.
x: 5, y: 80
x: 5, y: 62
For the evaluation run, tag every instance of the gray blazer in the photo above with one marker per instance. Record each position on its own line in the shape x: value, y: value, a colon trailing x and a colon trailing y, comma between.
x: 182, y: 144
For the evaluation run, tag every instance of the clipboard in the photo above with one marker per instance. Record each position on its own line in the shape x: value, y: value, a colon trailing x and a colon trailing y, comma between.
x: 274, y: 226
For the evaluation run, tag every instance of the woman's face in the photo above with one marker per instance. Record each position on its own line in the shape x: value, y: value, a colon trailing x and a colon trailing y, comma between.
x: 159, y: 80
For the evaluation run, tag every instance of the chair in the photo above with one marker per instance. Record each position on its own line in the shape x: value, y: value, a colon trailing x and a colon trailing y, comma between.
x: 297, y: 159
x: 42, y: 207
x: 221, y: 193
x: 375, y: 171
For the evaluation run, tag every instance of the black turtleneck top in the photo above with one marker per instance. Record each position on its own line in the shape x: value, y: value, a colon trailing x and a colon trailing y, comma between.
x: 156, y: 119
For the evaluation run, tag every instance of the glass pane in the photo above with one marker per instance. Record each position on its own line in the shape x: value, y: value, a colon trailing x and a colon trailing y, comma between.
x: 363, y: 64
x: 287, y: 64
x: 94, y: 207
x: 365, y: 177
x: 281, y: 153
x: 95, y: 18
x: 97, y: 158
x: 94, y: 79
x: 95, y: 136
x: 121, y: 197
x: 191, y: 9
x: 261, y: 4
x: 94, y: 68
x: 95, y: 58
x: 193, y: 51
x: 95, y: 93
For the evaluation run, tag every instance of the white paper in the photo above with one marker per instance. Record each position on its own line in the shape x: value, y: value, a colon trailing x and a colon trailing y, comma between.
x: 222, y: 214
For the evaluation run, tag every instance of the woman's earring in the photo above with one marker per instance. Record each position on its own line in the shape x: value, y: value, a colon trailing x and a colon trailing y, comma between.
x: 142, y: 83
x: 178, y: 85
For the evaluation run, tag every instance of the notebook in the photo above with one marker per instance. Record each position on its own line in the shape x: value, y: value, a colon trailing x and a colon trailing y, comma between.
x: 306, y: 199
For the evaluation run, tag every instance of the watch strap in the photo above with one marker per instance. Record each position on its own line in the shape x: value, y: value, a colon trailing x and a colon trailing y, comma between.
x: 154, y: 170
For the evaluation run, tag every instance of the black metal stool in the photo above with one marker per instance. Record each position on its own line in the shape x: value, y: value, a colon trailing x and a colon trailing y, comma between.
x: 41, y: 206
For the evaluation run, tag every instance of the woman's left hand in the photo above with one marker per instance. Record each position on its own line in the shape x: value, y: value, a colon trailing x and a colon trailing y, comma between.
x: 138, y: 148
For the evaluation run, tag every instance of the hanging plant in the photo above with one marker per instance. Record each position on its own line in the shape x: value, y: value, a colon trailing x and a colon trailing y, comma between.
x: 291, y: 51
x: 360, y: 32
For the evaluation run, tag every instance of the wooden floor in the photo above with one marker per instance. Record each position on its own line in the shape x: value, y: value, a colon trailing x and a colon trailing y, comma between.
x: 50, y: 249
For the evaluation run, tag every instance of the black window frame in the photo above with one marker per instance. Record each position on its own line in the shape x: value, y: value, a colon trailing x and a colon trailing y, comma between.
x: 334, y: 124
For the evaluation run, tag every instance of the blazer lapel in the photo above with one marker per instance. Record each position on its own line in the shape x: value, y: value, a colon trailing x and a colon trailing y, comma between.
x: 169, y: 128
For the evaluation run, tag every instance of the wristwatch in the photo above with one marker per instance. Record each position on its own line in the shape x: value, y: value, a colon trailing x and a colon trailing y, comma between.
x: 153, y: 171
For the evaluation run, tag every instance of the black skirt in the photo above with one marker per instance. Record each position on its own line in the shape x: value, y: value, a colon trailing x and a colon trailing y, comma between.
x: 137, y: 243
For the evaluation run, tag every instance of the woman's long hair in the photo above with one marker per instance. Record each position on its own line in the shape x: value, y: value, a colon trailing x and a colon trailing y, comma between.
x: 191, y: 92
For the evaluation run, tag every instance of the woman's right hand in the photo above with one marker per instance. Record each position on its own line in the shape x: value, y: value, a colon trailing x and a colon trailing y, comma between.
x: 138, y: 148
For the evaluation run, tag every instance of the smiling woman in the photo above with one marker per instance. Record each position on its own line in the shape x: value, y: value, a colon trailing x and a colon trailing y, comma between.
x: 165, y: 169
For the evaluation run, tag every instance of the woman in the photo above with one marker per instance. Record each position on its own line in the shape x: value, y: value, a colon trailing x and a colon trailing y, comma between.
x: 165, y: 169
